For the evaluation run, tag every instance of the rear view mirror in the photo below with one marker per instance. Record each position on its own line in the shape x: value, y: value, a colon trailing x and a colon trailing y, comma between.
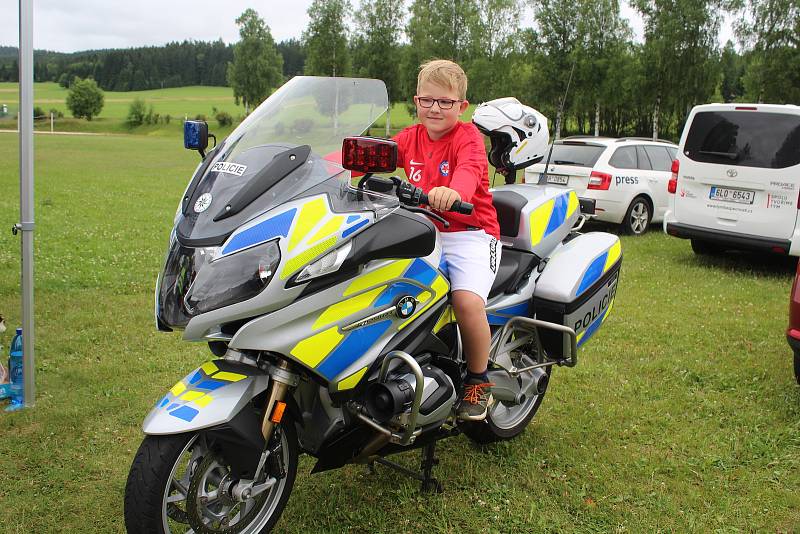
x: 369, y: 154
x: 195, y: 136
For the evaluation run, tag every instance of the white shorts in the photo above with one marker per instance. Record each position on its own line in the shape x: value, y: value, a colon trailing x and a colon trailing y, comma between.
x: 472, y: 258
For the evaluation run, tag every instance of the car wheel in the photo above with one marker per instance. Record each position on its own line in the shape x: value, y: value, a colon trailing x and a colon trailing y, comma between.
x: 705, y: 248
x: 637, y: 218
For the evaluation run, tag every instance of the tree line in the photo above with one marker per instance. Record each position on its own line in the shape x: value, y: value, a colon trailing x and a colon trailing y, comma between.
x: 618, y: 86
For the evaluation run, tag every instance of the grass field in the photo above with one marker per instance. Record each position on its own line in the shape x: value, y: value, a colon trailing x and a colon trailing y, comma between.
x: 682, y: 416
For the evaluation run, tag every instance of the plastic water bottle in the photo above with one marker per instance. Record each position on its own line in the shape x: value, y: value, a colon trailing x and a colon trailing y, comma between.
x: 15, y: 372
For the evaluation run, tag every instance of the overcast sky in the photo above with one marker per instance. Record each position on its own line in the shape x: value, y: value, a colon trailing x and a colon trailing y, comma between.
x: 73, y: 25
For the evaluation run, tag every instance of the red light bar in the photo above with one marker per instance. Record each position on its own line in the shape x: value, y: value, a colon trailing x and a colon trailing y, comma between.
x: 369, y: 154
x: 746, y: 108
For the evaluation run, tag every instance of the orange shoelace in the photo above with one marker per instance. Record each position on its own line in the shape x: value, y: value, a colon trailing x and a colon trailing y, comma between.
x: 474, y: 392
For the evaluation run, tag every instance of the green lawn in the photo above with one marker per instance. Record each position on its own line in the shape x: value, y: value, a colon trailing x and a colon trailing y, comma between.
x: 682, y: 416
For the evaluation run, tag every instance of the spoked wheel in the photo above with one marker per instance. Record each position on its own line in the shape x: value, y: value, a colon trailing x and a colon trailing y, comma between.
x: 507, y: 420
x: 178, y: 485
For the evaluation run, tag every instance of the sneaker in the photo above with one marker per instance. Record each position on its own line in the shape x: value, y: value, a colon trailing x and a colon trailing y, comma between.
x: 476, y: 402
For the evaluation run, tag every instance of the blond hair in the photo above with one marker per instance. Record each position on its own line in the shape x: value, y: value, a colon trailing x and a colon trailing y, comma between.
x: 444, y: 73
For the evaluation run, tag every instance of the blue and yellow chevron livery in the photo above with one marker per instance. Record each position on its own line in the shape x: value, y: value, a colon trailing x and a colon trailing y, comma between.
x: 548, y: 217
x: 599, y: 266
x: 330, y: 350
x: 193, y: 393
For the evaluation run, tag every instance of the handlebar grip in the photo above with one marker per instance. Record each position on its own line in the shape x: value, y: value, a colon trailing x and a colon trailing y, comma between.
x: 465, y: 208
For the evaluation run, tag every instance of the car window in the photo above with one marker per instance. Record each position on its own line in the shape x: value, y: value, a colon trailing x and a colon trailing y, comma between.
x: 659, y: 158
x: 624, y: 158
x: 745, y: 138
x: 576, y: 153
x: 673, y: 153
x: 644, y: 161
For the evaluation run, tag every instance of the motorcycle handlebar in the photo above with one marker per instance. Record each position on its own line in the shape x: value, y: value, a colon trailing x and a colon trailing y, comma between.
x: 465, y: 208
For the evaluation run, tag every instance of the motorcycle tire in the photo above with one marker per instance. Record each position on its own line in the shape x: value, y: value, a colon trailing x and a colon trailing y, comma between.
x: 495, y: 428
x: 147, y: 509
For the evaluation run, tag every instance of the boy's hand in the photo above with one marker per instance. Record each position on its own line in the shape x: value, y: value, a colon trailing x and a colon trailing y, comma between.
x: 442, y: 198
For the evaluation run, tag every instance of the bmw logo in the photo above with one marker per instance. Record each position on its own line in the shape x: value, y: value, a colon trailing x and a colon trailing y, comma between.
x: 202, y: 203
x: 406, y: 306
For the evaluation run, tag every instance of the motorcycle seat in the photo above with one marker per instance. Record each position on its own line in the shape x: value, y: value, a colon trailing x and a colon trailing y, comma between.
x: 515, y: 266
x: 508, y: 205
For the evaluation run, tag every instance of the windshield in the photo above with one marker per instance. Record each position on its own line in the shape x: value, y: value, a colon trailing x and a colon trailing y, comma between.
x: 319, y: 112
x: 290, y: 144
x: 576, y: 153
x: 745, y: 138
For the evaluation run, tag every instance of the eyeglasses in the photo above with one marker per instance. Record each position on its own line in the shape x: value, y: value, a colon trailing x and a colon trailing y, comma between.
x: 444, y: 103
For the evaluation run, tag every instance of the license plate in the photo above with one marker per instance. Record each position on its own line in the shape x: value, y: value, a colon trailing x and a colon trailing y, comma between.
x: 559, y: 179
x: 741, y: 196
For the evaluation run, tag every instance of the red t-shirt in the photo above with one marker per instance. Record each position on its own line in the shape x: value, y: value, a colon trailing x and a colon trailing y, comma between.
x: 458, y: 161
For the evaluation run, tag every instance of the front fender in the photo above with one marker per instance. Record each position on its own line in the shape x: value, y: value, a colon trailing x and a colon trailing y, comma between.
x: 209, y: 396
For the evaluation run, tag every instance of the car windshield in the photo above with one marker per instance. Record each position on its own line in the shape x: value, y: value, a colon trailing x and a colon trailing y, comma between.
x: 576, y: 153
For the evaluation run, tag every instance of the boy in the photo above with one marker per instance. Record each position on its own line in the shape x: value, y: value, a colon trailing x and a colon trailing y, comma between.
x: 446, y: 158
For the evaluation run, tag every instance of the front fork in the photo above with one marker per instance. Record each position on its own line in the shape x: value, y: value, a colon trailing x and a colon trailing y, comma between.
x: 282, y: 380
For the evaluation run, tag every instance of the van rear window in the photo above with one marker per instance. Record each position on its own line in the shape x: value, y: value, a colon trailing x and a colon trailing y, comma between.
x: 576, y: 153
x: 745, y: 138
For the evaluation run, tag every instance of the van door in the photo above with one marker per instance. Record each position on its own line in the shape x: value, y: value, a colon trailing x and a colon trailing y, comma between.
x: 740, y: 170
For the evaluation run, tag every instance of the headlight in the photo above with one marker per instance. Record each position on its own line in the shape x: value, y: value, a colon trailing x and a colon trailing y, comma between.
x: 327, y: 264
x: 231, y: 279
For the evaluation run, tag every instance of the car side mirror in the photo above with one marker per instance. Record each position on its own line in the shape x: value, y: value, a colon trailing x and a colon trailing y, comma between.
x: 195, y: 136
x: 369, y: 154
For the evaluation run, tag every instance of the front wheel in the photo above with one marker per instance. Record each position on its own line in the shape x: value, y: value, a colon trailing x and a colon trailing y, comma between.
x: 178, y: 485
x: 505, y: 420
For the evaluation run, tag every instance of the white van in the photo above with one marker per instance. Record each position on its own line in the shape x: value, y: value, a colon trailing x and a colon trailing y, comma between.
x: 736, y: 180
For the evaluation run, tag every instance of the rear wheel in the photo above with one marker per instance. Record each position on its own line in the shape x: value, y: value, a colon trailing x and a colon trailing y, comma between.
x: 505, y: 420
x: 178, y: 485
x: 637, y: 218
x: 705, y: 248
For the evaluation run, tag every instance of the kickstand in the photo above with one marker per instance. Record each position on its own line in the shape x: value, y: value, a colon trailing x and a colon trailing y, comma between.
x: 428, y: 482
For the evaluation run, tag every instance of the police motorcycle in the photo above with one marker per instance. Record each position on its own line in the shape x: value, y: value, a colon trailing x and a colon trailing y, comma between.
x: 327, y: 309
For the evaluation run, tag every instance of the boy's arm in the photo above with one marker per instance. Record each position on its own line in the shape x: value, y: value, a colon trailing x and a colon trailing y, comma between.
x: 470, y: 169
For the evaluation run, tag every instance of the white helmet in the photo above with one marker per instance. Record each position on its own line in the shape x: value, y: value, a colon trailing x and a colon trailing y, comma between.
x: 518, y: 132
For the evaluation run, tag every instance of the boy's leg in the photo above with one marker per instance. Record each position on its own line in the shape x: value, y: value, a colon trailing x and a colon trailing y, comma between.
x: 472, y: 258
x: 470, y: 312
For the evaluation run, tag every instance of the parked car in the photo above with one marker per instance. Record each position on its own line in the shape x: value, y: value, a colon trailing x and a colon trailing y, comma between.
x: 793, y: 331
x: 626, y: 177
x: 736, y: 180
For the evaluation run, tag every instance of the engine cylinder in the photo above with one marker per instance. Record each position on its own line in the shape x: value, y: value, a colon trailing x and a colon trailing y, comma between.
x: 386, y: 399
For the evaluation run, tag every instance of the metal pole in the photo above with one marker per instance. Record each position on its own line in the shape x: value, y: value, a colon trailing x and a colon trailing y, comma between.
x: 26, y: 192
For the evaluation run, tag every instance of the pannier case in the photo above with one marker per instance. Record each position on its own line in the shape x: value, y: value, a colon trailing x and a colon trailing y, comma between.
x: 577, y: 288
x: 534, y: 218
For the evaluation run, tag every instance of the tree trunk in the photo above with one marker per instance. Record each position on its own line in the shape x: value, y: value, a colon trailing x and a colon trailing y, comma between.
x: 558, y: 125
x: 597, y: 119
x: 655, y: 118
x: 388, y: 119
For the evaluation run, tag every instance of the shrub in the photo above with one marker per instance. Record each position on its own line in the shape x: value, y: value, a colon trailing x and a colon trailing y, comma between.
x: 200, y: 117
x: 224, y: 118
x: 56, y: 113
x: 39, y: 114
x: 136, y: 112
x: 302, y: 126
x: 85, y: 99
x: 166, y: 119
